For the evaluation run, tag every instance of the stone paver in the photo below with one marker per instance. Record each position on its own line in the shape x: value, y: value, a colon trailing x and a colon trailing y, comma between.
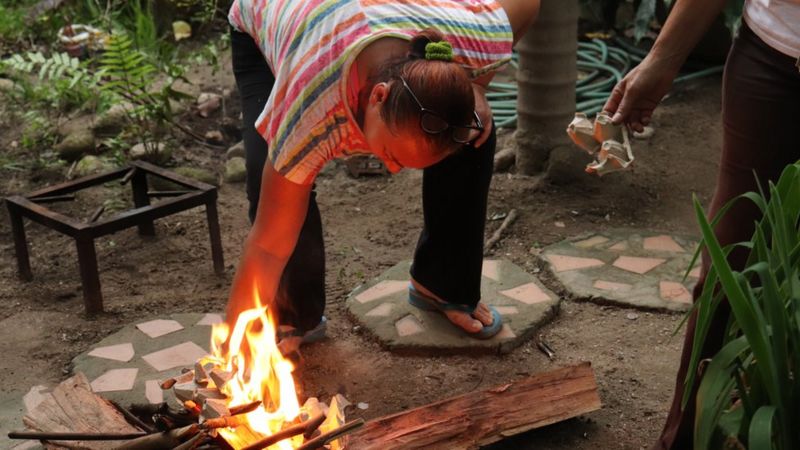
x: 382, y: 308
x: 631, y: 268
x: 154, y: 359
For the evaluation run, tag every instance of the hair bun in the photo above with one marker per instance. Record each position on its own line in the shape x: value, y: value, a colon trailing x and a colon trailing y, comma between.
x: 418, y: 47
x: 440, y: 51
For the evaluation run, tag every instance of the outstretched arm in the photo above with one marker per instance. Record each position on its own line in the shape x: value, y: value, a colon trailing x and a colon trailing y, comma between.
x: 282, y: 210
x: 635, y: 97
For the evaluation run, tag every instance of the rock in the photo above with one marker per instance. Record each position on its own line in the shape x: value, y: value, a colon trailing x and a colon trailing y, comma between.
x: 235, y: 171
x: 198, y: 174
x: 90, y: 165
x: 177, y: 107
x: 76, y: 145
x: 214, y: 137
x: 80, y: 123
x: 113, y: 121
x: 7, y: 85
x: 207, y: 103
x: 235, y: 151
x: 632, y: 316
x: 158, y: 154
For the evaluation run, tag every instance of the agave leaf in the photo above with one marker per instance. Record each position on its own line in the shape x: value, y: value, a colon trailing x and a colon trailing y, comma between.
x: 761, y: 429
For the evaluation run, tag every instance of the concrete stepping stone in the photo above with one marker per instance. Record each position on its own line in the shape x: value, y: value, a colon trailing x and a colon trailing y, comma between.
x: 634, y: 268
x: 152, y: 359
x: 381, y: 307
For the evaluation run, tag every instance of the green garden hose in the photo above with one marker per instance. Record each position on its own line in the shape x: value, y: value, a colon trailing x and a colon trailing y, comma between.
x: 600, y: 66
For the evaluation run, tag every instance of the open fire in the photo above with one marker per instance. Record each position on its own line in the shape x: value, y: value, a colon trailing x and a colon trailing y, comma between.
x: 246, y: 392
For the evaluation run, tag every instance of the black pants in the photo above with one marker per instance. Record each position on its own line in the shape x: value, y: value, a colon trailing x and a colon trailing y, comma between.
x: 760, y: 111
x: 449, y: 254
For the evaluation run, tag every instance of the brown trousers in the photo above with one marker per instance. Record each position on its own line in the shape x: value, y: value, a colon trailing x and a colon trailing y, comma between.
x: 761, y: 118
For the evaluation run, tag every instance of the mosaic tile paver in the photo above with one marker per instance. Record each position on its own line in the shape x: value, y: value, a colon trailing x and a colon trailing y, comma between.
x: 634, y: 265
x: 192, y: 341
x: 115, y: 380
x: 381, y: 307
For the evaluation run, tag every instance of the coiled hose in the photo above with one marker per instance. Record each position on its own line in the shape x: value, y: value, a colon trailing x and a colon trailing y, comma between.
x: 601, y: 65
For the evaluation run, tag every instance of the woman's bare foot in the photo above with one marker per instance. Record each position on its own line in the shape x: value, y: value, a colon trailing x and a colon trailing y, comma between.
x: 471, y: 323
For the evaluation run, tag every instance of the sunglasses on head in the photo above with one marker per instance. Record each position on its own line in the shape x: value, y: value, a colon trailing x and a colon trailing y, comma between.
x: 432, y: 122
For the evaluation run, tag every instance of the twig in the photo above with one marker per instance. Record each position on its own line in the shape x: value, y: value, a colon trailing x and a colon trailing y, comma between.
x: 131, y: 418
x: 244, y: 409
x: 324, y: 438
x: 512, y: 216
x: 97, y: 213
x: 306, y: 428
x: 52, y: 436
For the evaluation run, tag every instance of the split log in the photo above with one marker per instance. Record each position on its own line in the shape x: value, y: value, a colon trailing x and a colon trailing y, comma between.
x: 72, y: 407
x: 477, y: 419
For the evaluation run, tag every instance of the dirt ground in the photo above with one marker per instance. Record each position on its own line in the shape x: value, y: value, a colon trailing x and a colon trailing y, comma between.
x: 370, y: 224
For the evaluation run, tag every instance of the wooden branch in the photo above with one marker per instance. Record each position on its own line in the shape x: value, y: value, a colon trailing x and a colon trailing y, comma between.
x: 51, y: 436
x: 477, y: 419
x: 510, y: 218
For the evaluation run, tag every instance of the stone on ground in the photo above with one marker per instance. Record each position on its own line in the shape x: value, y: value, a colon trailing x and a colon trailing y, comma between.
x: 235, y: 170
x: 381, y: 307
x: 640, y: 269
x: 236, y: 150
x: 90, y: 165
x: 112, y: 121
x: 158, y: 153
x: 75, y: 145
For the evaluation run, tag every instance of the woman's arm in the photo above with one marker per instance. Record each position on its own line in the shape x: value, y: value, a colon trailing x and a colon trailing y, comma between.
x: 635, y: 97
x: 521, y: 14
x: 282, y: 209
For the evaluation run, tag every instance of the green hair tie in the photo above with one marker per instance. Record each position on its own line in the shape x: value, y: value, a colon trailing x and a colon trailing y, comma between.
x: 441, y: 51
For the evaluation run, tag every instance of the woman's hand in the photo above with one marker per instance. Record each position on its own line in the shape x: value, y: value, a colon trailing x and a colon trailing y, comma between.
x: 484, y: 111
x: 634, y: 99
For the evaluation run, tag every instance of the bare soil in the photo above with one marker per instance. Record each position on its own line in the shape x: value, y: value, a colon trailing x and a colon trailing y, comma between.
x: 370, y: 224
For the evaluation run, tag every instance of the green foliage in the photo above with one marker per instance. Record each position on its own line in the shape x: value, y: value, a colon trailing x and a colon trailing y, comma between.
x: 750, y: 391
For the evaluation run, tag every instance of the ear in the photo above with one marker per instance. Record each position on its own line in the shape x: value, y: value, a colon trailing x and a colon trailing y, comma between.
x: 379, y: 93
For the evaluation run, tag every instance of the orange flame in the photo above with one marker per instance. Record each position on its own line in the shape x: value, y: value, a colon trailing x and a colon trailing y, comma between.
x: 260, y: 373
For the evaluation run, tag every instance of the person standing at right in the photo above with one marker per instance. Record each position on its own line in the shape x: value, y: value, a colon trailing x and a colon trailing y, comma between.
x: 760, y: 114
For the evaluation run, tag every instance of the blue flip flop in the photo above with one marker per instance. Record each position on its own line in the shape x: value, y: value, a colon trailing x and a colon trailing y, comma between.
x: 422, y: 301
x: 315, y: 334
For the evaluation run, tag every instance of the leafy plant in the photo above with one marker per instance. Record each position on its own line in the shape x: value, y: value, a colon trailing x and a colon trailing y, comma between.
x: 750, y: 392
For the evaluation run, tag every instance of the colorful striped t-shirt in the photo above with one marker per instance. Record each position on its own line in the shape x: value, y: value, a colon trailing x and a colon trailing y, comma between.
x: 310, y: 45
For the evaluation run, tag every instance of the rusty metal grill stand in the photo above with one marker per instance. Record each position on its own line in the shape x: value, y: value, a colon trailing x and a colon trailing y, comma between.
x: 84, y: 233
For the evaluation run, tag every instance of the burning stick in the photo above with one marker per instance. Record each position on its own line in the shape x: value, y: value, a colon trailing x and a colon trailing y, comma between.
x: 307, y: 428
x: 324, y: 438
x: 52, y: 436
x: 167, y: 439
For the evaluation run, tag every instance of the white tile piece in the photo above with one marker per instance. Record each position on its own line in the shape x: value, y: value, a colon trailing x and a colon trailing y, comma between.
x: 529, y: 294
x: 663, y: 243
x: 591, y: 242
x: 507, y: 310
x: 181, y: 355
x: 638, y: 265
x: 505, y: 333
x: 153, y: 391
x: 562, y: 263
x: 115, y: 380
x: 408, y: 326
x: 159, y: 327
x: 619, y: 246
x: 381, y: 311
x: 491, y: 269
x: 210, y: 319
x: 120, y: 352
x: 382, y: 289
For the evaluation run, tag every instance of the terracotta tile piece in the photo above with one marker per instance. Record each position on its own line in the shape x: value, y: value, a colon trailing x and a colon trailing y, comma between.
x: 119, y: 352
x: 382, y: 310
x: 408, y: 326
x: 562, y: 263
x: 115, y: 380
x: 507, y: 310
x: 675, y: 292
x: 153, y: 391
x: 382, y: 289
x: 159, y: 327
x: 529, y: 294
x: 491, y: 269
x: 638, y: 265
x: 181, y: 355
x: 619, y: 246
x: 591, y: 242
x: 662, y: 243
x: 210, y: 319
x: 611, y: 286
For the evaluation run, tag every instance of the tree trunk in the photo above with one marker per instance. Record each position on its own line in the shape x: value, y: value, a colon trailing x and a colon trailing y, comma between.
x: 546, y: 77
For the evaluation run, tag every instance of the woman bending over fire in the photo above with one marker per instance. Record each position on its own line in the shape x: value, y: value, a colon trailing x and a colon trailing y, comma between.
x: 403, y: 80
